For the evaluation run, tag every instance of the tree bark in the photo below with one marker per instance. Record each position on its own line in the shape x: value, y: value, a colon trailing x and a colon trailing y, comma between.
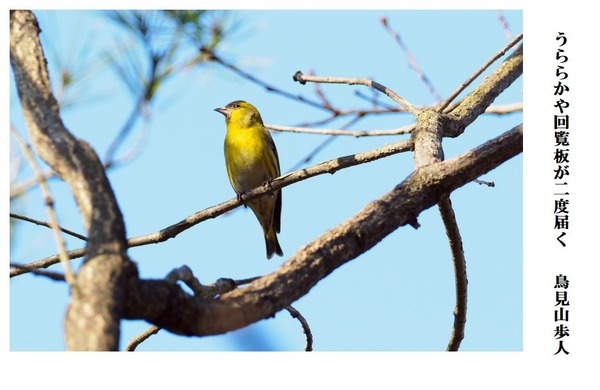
x: 167, y: 306
x: 92, y: 320
x: 107, y: 287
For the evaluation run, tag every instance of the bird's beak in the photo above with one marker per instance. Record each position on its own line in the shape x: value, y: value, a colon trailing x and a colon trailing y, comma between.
x: 222, y: 110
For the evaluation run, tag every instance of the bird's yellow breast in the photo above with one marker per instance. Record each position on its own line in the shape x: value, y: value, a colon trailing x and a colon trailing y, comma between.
x: 246, y: 158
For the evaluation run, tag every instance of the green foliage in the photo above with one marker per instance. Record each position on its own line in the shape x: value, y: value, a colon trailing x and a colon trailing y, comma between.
x: 170, y: 41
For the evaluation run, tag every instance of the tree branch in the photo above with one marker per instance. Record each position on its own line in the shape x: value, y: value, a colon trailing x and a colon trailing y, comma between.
x: 303, y: 78
x: 172, y: 231
x: 145, y: 335
x: 496, y: 109
x: 92, y: 320
x: 442, y: 106
x: 49, y: 274
x: 107, y: 287
x: 353, y: 133
x: 460, y: 273
x: 411, y: 60
x: 476, y: 102
x: 268, y: 87
x: 46, y: 224
x: 427, y: 138
x: 305, y: 328
x: 169, y: 307
x: 49, y: 201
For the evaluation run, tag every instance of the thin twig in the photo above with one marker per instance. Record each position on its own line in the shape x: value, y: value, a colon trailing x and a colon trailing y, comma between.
x: 498, y: 109
x: 303, y: 79
x: 145, y: 335
x: 356, y: 133
x: 125, y: 130
x: 296, y: 314
x: 28, y: 184
x: 134, y: 151
x: 49, y: 202
x: 411, y: 60
x: 352, y: 112
x: 169, y: 232
x: 265, y: 85
x: 502, y: 109
x: 374, y: 100
x: 442, y: 106
x: 46, y: 224
x: 321, y: 94
x: 504, y: 24
x: 460, y: 273
x: 49, y: 274
x: 323, y: 144
x: 484, y: 182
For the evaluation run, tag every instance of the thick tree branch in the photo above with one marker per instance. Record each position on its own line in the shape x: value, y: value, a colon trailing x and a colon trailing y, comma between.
x: 476, y: 102
x: 427, y: 138
x: 169, y: 307
x: 92, y: 321
x: 107, y: 288
x: 432, y: 125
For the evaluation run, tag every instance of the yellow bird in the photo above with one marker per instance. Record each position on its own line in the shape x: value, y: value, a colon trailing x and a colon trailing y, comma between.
x: 251, y: 160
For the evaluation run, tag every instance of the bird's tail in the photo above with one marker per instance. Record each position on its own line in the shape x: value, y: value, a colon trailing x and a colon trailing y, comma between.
x: 272, y: 243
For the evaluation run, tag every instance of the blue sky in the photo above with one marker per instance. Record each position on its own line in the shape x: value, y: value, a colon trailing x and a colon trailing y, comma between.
x: 399, y: 296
